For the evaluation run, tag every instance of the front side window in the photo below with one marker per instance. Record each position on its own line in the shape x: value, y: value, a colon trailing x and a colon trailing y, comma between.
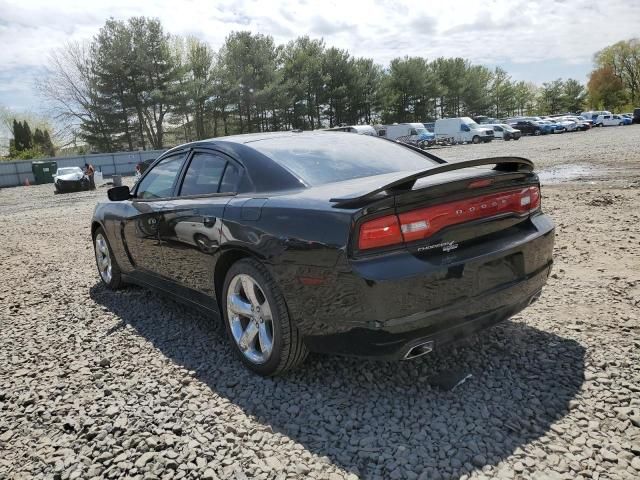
x: 203, y: 175
x: 158, y: 183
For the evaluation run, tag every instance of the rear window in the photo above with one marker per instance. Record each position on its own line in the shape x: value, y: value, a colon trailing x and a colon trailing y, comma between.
x: 329, y: 158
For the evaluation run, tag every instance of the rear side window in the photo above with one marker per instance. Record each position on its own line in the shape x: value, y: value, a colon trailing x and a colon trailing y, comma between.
x: 159, y: 182
x: 203, y: 174
x: 230, y: 179
x: 326, y: 158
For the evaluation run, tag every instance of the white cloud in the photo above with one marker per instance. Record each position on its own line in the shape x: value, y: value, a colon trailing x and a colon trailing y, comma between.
x: 494, y: 32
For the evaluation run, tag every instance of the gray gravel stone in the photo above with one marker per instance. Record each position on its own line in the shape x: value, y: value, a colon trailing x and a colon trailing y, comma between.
x: 129, y: 384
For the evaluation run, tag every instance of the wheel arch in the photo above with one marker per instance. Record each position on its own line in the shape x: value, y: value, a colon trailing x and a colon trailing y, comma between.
x: 95, y: 225
x: 225, y: 260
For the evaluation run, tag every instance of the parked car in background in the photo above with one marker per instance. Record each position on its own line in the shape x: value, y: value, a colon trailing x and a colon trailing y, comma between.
x: 363, y: 268
x: 527, y: 127
x: 581, y: 123
x: 463, y: 130
x: 608, y: 120
x: 359, y: 129
x: 566, y: 123
x: 70, y: 179
x: 549, y: 126
x: 626, y: 120
x: 504, y: 131
x: 484, y: 120
x: 636, y: 115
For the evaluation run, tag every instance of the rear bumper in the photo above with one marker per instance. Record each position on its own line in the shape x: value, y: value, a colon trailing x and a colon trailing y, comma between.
x: 383, y: 307
x: 440, y: 327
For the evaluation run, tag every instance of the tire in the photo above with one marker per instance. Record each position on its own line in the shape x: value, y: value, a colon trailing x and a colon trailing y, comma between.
x: 516, y: 138
x: 111, y: 277
x: 475, y: 139
x: 536, y: 132
x: 287, y: 350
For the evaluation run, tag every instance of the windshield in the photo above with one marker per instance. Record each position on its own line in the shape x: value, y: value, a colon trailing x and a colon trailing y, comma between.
x: 68, y: 170
x: 421, y: 131
x: 472, y: 125
x: 318, y: 159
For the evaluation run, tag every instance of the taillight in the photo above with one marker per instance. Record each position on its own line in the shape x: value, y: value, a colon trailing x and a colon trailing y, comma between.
x: 381, y: 232
x: 424, y: 222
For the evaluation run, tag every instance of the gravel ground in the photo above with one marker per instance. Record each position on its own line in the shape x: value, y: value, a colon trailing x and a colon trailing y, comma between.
x: 95, y: 384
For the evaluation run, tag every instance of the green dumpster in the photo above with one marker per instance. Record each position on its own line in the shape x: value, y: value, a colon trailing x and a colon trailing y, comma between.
x: 43, y: 172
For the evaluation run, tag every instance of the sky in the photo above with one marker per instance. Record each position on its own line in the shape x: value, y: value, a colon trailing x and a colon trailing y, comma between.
x: 533, y: 40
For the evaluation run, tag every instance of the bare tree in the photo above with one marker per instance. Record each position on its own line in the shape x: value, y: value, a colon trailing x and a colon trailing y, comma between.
x: 70, y: 90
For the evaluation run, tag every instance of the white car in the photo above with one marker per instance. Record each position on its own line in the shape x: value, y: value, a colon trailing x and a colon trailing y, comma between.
x: 568, y: 124
x: 69, y: 179
x: 504, y: 131
x: 608, y: 121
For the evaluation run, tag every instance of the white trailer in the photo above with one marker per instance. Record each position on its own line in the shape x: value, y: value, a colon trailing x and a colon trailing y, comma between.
x: 392, y: 132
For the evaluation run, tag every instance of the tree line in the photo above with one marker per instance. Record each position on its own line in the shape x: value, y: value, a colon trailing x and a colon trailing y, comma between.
x: 614, y: 83
x: 135, y: 86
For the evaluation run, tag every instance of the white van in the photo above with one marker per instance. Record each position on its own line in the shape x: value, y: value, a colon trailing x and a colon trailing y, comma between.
x: 608, y: 121
x: 594, y: 114
x: 462, y: 130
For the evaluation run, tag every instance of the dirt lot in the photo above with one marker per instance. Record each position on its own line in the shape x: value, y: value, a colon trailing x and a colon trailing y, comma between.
x: 129, y: 384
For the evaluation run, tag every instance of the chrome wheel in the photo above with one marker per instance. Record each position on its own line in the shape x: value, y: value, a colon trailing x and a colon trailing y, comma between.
x: 103, y: 259
x: 250, y: 320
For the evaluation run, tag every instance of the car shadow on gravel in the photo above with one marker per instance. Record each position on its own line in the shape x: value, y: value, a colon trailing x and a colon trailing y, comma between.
x: 381, y: 419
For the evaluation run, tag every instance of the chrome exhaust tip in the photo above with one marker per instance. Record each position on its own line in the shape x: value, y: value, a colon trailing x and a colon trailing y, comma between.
x: 419, y: 350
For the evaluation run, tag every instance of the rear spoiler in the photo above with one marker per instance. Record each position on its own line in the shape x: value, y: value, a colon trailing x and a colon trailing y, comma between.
x: 503, y: 164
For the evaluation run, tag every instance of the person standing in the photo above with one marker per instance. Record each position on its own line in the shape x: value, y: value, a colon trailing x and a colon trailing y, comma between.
x: 89, y: 171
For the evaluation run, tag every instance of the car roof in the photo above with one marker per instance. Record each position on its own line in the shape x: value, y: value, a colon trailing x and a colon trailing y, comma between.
x: 264, y: 173
x: 256, y: 137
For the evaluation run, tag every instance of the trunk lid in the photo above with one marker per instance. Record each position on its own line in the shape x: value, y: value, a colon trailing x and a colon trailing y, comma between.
x: 444, y: 207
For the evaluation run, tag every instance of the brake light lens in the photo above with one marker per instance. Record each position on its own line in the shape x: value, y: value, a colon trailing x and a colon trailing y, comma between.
x: 381, y: 232
x: 424, y: 222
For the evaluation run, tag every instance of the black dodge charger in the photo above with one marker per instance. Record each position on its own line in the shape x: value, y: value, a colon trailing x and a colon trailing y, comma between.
x: 327, y: 242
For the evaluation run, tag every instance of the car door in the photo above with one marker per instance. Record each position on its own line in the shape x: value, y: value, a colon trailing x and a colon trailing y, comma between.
x: 191, y: 223
x: 140, y: 227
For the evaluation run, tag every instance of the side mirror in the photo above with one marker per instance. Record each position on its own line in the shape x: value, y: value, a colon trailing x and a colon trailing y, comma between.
x: 118, y: 194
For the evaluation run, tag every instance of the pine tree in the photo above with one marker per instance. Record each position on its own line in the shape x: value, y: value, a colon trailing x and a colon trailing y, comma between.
x: 27, y: 138
x: 47, y: 147
x: 17, y: 136
x: 38, y: 139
